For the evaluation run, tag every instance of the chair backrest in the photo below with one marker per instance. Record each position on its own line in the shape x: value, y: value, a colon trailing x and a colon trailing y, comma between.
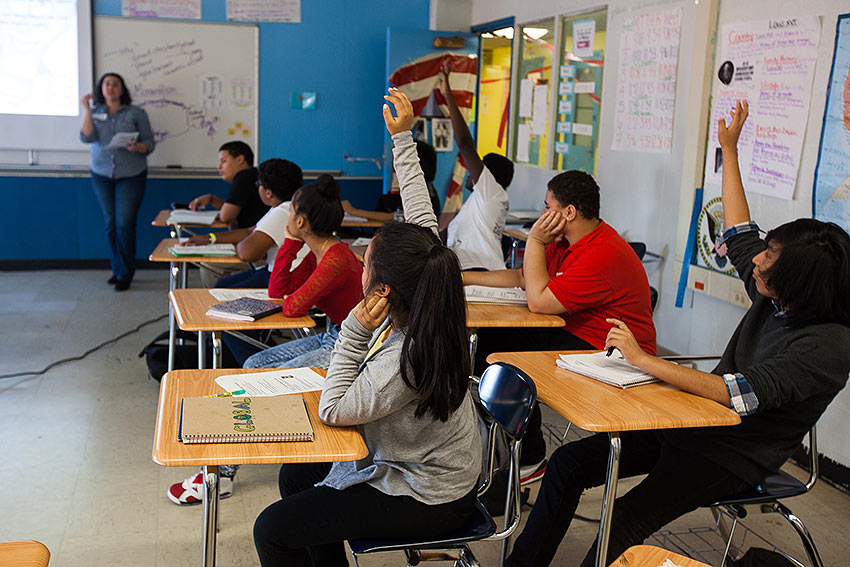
x: 507, y: 394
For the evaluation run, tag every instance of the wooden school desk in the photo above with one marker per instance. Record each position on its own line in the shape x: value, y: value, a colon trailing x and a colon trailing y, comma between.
x: 594, y: 406
x: 190, y: 311
x: 494, y: 315
x: 177, y: 278
x: 365, y: 223
x: 24, y: 554
x: 517, y: 235
x: 330, y: 445
x: 651, y: 556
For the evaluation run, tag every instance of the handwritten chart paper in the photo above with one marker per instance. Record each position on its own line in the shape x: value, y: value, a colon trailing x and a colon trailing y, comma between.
x: 646, y: 82
x: 771, y: 64
x: 187, y: 9
x: 264, y: 10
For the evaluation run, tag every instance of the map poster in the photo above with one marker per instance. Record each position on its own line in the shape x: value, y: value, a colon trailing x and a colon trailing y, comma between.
x: 831, y: 197
x: 771, y: 64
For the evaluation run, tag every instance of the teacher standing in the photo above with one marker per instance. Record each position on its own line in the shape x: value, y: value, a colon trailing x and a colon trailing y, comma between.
x: 118, y: 175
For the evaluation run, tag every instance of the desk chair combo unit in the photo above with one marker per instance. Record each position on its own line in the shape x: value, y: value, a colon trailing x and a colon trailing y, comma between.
x: 506, y: 396
x: 764, y: 498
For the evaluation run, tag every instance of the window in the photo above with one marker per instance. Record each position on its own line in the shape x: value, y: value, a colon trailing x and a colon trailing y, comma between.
x: 494, y: 87
x: 579, y: 98
x: 531, y: 108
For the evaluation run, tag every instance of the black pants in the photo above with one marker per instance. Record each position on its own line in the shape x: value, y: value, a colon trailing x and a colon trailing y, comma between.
x: 520, y: 340
x: 309, y: 525
x: 677, y: 482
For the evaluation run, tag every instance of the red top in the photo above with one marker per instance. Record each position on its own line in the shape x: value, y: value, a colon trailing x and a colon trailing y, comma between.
x: 600, y: 277
x: 334, y: 286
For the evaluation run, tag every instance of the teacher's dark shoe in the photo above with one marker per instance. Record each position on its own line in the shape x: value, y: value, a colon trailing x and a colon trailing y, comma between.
x: 113, y: 280
x: 122, y: 285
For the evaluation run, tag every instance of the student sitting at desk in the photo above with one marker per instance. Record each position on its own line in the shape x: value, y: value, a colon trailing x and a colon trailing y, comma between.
x: 786, y: 361
x: 475, y: 234
x: 577, y: 266
x: 328, y: 277
x: 277, y: 181
x: 389, y: 204
x: 399, y: 371
x: 242, y: 207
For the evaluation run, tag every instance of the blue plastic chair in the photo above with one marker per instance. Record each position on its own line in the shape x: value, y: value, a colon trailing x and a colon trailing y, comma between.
x: 506, y: 396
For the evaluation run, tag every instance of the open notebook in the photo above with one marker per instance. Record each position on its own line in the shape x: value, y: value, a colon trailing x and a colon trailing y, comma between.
x: 613, y: 370
x: 232, y: 419
x: 184, y: 216
x: 203, y: 250
x: 497, y: 295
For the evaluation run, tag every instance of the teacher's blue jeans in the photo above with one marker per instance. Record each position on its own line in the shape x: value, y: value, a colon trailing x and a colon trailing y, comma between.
x: 119, y: 201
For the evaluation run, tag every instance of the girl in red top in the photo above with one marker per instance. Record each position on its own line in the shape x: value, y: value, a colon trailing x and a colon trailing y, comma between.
x: 328, y: 277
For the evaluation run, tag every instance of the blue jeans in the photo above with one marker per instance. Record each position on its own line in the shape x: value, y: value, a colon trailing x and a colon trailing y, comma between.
x: 310, y: 352
x: 119, y: 201
x: 253, y: 278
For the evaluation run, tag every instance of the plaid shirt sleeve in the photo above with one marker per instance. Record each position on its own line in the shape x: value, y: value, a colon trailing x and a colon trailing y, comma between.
x: 749, y: 226
x: 744, y: 400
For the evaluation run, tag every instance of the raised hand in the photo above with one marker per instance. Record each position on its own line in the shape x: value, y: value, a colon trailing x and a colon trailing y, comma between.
x: 403, y: 120
x: 86, y: 101
x: 446, y: 68
x: 548, y: 228
x: 728, y: 135
x: 372, y: 311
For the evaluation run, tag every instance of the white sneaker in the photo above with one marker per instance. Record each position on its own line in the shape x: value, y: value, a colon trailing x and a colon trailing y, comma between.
x: 191, y: 490
x: 532, y: 473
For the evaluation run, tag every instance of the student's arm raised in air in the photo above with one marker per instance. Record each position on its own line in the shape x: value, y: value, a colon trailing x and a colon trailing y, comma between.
x: 463, y: 137
x: 735, y: 208
x: 705, y: 384
x: 414, y: 191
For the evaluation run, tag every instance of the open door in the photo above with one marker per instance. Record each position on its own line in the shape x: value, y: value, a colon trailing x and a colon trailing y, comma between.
x: 414, y: 50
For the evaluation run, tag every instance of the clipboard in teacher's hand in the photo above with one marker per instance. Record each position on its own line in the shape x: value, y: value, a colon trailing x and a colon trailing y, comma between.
x: 122, y: 140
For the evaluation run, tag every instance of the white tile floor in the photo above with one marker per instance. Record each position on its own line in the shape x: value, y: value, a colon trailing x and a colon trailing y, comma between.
x: 77, y: 472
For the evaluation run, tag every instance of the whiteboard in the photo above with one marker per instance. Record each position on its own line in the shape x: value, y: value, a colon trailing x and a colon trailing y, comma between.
x: 198, y: 82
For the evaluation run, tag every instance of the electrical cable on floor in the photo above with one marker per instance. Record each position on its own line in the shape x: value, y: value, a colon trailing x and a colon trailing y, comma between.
x: 85, y: 354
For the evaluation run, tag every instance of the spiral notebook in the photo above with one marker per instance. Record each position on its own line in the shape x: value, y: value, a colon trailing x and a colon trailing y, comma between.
x: 232, y: 419
x: 613, y: 370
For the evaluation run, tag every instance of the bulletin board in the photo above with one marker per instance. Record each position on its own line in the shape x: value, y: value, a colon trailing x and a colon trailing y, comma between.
x: 197, y: 81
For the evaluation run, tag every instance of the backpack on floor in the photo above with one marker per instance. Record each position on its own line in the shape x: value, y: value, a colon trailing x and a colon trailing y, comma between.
x: 185, y: 355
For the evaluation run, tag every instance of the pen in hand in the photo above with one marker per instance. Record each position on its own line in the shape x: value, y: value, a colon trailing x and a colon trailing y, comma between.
x: 611, y: 349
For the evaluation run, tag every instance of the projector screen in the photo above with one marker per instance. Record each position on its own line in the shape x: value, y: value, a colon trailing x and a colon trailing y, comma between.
x: 46, y: 66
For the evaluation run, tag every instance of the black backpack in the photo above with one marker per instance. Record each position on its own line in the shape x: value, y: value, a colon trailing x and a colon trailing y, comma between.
x: 185, y: 355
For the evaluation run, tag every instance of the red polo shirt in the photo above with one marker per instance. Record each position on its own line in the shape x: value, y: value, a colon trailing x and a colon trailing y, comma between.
x: 599, y: 277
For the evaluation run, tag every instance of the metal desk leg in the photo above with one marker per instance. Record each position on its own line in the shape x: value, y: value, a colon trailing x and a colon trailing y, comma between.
x: 217, y: 346
x: 608, y: 500
x: 514, y: 246
x: 473, y: 347
x: 211, y: 480
x: 172, y: 331
x: 202, y: 350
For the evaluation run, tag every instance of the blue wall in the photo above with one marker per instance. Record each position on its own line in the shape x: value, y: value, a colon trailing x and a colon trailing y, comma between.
x: 338, y: 50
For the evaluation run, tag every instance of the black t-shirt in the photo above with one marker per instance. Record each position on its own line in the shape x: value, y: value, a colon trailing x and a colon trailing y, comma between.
x: 244, y: 194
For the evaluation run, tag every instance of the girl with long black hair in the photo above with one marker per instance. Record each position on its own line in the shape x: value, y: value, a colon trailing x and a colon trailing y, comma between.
x: 399, y: 371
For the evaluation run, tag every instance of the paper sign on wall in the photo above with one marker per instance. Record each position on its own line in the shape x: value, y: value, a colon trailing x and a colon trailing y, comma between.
x: 538, y: 120
x: 187, y: 9
x: 568, y: 71
x: 770, y: 63
x: 583, y: 32
x: 565, y: 106
x: 565, y: 127
x: 526, y: 86
x: 522, y: 138
x: 562, y: 148
x: 264, y: 10
x: 583, y: 129
x: 584, y: 87
x: 646, y: 81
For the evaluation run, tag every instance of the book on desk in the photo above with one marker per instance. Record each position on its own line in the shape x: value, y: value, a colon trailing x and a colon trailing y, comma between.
x: 495, y: 295
x: 240, y: 419
x: 203, y: 250
x: 613, y: 370
x: 244, y: 309
x: 185, y: 216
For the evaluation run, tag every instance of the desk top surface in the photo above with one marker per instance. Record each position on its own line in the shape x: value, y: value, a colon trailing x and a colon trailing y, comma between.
x: 190, y: 310
x: 161, y: 219
x: 24, y: 554
x: 492, y: 315
x: 595, y: 406
x: 649, y: 555
x: 518, y: 233
x: 331, y: 443
x: 161, y: 254
x: 365, y: 223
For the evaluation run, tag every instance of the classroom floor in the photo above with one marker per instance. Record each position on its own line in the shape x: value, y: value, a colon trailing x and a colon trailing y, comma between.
x: 77, y: 472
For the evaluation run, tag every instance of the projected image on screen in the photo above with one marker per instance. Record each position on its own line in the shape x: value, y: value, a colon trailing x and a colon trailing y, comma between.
x: 39, y: 57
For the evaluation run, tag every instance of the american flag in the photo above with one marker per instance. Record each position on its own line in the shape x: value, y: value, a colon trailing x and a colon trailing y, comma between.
x: 418, y: 79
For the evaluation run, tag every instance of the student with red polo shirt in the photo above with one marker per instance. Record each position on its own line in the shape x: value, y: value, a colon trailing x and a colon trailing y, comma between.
x: 578, y: 267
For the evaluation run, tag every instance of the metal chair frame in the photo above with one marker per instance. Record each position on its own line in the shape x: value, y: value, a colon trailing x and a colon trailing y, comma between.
x: 442, y: 549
